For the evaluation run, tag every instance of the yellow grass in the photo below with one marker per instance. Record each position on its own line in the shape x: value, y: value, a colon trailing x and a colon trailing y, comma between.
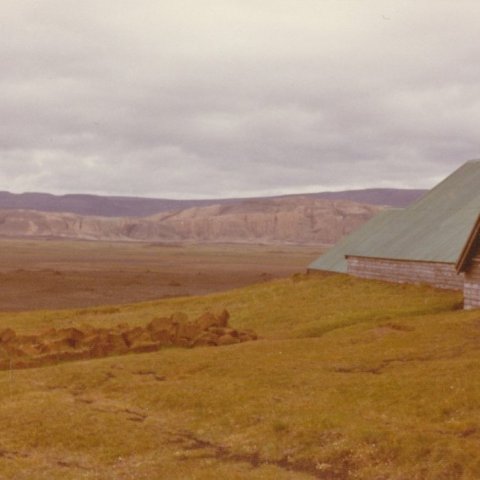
x: 351, y: 379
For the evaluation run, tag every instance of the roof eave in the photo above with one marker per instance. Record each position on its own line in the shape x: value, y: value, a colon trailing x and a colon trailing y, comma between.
x: 410, y: 260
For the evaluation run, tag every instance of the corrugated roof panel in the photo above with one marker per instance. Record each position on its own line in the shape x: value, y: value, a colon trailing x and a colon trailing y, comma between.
x: 435, y: 228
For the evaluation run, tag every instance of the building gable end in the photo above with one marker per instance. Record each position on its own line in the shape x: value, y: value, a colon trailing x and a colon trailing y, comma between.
x: 470, y: 249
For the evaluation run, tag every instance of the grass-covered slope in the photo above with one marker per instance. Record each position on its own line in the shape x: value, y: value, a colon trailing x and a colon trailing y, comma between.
x: 351, y: 379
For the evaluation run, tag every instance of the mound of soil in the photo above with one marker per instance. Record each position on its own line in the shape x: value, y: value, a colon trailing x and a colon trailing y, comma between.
x: 84, y: 342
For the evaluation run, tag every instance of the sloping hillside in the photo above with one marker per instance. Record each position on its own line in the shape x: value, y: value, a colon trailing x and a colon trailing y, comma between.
x: 301, y: 220
x: 349, y: 380
x: 392, y: 197
x: 104, y: 206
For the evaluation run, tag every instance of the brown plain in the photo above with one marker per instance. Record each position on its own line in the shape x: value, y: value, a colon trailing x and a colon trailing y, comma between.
x: 72, y: 274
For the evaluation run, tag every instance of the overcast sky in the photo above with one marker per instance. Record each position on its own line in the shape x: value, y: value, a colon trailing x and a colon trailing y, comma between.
x: 217, y: 98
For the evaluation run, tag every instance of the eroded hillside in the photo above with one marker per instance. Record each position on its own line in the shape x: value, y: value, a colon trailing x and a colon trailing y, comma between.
x: 300, y: 220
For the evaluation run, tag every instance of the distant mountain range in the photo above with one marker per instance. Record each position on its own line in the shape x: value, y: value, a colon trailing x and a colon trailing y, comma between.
x: 111, y: 206
x: 294, y: 220
x: 388, y: 197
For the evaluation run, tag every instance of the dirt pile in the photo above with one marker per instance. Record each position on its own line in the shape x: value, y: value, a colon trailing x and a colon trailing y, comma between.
x: 56, y: 345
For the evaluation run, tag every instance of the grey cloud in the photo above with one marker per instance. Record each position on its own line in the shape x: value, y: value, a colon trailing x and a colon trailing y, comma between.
x: 222, y: 97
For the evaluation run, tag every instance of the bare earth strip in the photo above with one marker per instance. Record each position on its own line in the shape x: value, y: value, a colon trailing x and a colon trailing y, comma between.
x: 73, y: 274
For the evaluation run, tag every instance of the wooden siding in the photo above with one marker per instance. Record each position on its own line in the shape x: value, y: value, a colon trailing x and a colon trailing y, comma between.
x: 471, y: 290
x: 440, y: 275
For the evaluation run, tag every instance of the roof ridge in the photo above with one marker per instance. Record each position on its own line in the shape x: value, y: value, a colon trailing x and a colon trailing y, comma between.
x: 439, y: 185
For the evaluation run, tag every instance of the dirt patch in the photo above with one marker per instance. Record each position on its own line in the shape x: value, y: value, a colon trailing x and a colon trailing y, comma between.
x: 392, y: 328
x: 59, y: 274
x: 341, y: 470
x: 84, y: 342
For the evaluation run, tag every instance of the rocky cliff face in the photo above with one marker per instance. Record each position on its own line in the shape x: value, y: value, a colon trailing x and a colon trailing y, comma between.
x: 301, y: 220
x: 293, y: 220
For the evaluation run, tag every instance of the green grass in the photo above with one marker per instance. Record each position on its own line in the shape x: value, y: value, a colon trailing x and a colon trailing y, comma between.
x: 351, y: 379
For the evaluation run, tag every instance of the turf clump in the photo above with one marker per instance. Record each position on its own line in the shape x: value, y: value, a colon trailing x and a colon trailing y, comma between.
x: 85, y: 341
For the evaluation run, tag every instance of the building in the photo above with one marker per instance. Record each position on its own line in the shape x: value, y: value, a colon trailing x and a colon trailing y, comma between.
x: 435, y: 241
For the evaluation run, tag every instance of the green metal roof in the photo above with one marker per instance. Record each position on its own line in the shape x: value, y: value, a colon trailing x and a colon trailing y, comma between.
x: 435, y: 228
x: 334, y: 259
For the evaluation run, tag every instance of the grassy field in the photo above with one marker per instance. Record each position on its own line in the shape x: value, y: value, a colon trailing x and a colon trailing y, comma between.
x: 351, y: 379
